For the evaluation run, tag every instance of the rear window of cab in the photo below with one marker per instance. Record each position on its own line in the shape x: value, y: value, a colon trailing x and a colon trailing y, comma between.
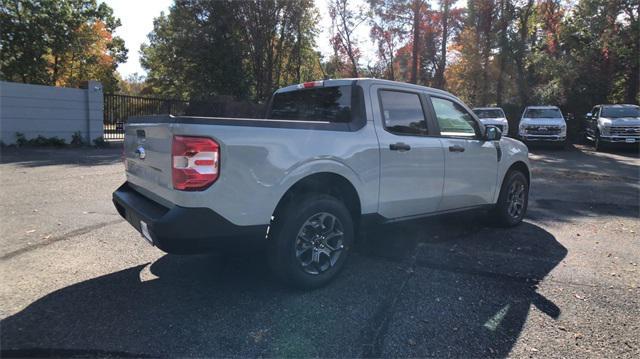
x: 327, y: 104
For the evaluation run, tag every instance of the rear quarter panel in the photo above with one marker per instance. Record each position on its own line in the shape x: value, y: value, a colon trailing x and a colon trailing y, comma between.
x: 258, y: 165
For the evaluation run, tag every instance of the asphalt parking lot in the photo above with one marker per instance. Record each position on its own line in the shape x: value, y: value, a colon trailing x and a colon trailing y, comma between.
x: 78, y: 281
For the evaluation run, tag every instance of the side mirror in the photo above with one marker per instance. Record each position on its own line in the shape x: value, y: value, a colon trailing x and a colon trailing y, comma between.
x: 492, y: 133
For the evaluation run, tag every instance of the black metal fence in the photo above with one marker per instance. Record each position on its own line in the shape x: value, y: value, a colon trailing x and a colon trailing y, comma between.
x: 118, y: 109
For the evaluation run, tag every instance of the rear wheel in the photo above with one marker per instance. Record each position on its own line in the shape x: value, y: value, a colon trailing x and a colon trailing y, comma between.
x: 513, y: 200
x: 310, y: 241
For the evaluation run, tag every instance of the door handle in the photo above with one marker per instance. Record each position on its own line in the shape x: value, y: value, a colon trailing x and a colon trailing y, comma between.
x: 400, y: 146
x: 456, y: 148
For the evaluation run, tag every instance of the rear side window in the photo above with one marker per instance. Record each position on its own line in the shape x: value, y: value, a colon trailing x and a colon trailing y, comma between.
x: 402, y: 113
x: 328, y: 104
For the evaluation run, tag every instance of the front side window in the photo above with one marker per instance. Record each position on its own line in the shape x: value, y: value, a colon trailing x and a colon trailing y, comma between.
x: 402, y: 113
x: 453, y: 119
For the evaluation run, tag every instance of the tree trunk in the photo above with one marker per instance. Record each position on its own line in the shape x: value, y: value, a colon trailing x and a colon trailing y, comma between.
x: 439, y: 76
x: 416, y: 41
x: 503, y: 52
x: 523, y: 88
x: 486, y: 52
x: 280, y: 45
x: 633, y: 84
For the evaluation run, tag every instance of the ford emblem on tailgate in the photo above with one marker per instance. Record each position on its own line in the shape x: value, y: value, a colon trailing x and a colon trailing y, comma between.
x: 141, y: 153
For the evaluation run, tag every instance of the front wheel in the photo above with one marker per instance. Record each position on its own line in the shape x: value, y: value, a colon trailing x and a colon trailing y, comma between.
x: 597, y: 143
x: 310, y: 241
x: 513, y: 200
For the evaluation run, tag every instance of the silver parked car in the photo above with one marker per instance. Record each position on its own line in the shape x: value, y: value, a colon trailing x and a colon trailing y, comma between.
x: 493, y: 116
x: 613, y: 124
x: 331, y: 157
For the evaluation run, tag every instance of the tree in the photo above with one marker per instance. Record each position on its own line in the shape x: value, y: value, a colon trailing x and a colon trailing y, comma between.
x: 193, y: 52
x: 344, y: 22
x: 524, y: 12
x: 59, y: 43
x: 387, y: 34
x: 445, y: 7
x: 404, y: 19
x: 505, y: 16
x: 631, y: 37
x: 202, y: 49
x: 135, y: 84
x: 280, y: 39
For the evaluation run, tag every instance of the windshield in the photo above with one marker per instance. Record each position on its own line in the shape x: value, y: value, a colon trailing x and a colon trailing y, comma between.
x: 489, y: 113
x: 331, y: 104
x: 616, y: 112
x: 543, y: 113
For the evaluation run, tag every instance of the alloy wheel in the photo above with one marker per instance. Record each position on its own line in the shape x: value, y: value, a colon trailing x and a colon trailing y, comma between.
x: 516, y: 199
x: 319, y: 243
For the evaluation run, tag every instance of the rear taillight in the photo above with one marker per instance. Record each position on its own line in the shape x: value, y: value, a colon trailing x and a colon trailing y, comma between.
x: 311, y: 84
x: 195, y: 162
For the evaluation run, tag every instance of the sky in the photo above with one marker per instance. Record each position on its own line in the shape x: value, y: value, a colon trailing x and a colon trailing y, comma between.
x: 137, y: 21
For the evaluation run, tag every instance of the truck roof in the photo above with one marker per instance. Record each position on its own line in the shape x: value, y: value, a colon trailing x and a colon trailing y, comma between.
x: 622, y: 105
x: 543, y: 107
x: 349, y: 81
x: 487, y: 108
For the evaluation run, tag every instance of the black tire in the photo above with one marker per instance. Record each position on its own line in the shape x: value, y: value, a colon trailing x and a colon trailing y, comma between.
x: 285, y: 241
x: 502, y: 213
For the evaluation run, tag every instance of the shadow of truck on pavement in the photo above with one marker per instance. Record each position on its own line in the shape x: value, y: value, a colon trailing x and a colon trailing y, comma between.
x: 430, y: 288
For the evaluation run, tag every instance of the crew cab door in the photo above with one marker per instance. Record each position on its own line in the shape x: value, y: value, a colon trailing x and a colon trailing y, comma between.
x: 411, y: 158
x: 471, y: 164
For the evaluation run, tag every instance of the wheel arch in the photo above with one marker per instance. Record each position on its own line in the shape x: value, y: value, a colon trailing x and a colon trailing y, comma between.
x: 519, y: 166
x: 328, y: 183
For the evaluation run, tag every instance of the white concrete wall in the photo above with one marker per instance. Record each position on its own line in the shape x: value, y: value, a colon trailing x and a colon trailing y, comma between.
x: 50, y: 111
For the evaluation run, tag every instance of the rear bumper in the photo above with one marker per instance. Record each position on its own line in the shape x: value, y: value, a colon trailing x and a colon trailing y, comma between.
x: 182, y: 230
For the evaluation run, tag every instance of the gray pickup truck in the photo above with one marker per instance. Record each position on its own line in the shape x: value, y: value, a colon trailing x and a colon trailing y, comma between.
x: 613, y: 124
x: 329, y: 158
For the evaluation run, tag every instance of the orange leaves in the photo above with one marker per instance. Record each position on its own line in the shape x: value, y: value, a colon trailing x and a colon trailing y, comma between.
x: 86, y: 57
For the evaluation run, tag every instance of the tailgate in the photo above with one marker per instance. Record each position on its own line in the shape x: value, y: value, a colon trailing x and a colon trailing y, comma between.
x: 147, y: 151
